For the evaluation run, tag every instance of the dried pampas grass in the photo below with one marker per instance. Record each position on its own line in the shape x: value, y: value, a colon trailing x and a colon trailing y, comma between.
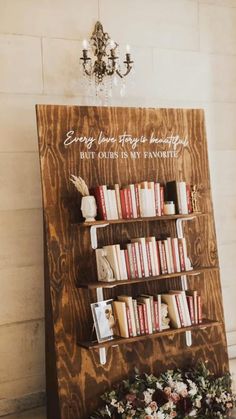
x: 80, y: 185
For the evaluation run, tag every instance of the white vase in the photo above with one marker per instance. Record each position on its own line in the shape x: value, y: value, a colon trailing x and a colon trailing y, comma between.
x: 89, y: 208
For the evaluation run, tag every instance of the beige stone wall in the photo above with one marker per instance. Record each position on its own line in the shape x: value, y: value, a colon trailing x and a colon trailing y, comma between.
x: 185, y: 54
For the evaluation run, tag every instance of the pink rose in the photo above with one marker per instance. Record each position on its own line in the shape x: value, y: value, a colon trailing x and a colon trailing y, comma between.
x: 130, y: 397
x: 153, y: 406
x: 174, y: 397
x: 173, y: 414
x: 167, y: 390
x: 148, y: 417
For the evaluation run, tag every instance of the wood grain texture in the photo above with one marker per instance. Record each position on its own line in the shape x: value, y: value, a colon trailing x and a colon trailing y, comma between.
x: 79, y: 379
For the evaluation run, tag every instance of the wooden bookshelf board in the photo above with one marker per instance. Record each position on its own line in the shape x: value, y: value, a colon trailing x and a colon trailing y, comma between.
x: 75, y: 377
x: 101, y: 284
x: 121, y: 341
x: 139, y: 220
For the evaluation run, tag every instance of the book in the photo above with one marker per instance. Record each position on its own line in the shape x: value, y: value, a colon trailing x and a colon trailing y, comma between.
x: 118, y: 202
x: 194, y: 294
x: 146, y: 301
x: 127, y: 264
x: 124, y: 274
x: 111, y: 255
x: 142, y: 242
x: 141, y: 318
x: 137, y: 189
x: 131, y: 260
x: 129, y: 303
x: 157, y: 312
x: 145, y: 319
x: 113, y: 212
x: 138, y: 260
x: 175, y: 253
x: 190, y: 307
x: 133, y: 201
x: 100, y: 201
x: 181, y: 255
x: 199, y: 307
x: 119, y: 308
x: 166, y: 251
x: 173, y: 312
x: 183, y: 197
x: 119, y: 261
x: 154, y: 255
x: 129, y: 321
x: 162, y: 198
x: 184, y: 306
x: 135, y: 305
x: 124, y: 210
x: 157, y: 193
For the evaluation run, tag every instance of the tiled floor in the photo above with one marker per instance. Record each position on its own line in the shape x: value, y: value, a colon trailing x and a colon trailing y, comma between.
x: 39, y: 413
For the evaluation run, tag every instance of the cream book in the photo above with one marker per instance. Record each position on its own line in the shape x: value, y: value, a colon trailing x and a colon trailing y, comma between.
x: 147, y: 301
x: 119, y: 308
x: 129, y: 303
x: 142, y: 241
x: 111, y: 255
x: 173, y: 313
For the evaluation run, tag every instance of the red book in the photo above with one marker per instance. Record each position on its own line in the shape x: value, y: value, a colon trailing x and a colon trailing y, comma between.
x: 161, y: 258
x: 149, y: 259
x: 145, y: 318
x: 199, y: 307
x: 127, y: 264
x: 127, y: 204
x: 123, y: 205
x: 181, y: 255
x: 129, y: 322
x: 134, y: 260
x: 141, y: 319
x: 131, y: 213
x: 189, y: 201
x: 141, y: 259
x: 136, y: 188
x: 181, y: 314
x: 190, y: 307
x: 162, y: 191
x: 100, y: 200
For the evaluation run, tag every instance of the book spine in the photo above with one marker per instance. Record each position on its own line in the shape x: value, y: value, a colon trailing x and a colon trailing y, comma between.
x: 145, y: 318
x: 161, y: 256
x: 149, y: 259
x: 141, y: 319
x: 162, y: 192
x: 137, y: 254
x: 190, y: 307
x: 137, y: 198
x: 152, y: 314
x: 127, y: 206
x: 181, y: 314
x: 127, y: 264
x: 100, y: 199
x: 118, y: 203
x: 168, y: 264
x: 189, y: 201
x: 141, y: 259
x: 123, y: 205
x: 131, y: 212
x: 165, y: 270
x: 131, y: 261
x: 199, y: 307
x: 157, y: 199
x: 181, y: 255
x: 129, y: 322
x: 133, y: 201
x: 156, y: 316
x: 135, y: 306
x: 134, y: 260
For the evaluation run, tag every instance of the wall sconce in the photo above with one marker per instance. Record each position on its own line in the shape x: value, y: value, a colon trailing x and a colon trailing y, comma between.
x: 105, y: 63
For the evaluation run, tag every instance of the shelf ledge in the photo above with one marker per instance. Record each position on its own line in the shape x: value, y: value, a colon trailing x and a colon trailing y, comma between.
x: 206, y: 323
x: 113, y: 284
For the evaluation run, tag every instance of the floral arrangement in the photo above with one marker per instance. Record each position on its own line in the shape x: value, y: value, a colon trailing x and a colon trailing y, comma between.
x: 174, y: 394
x: 80, y: 185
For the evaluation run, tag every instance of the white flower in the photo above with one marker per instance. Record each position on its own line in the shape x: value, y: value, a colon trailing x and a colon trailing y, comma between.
x: 108, y: 411
x: 193, y: 388
x: 113, y: 402
x: 158, y: 385
x: 148, y: 410
x: 148, y: 396
x: 120, y: 408
x: 160, y: 415
x: 179, y: 386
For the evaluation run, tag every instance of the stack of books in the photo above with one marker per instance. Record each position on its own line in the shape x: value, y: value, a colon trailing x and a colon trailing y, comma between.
x: 145, y: 199
x: 145, y: 257
x: 144, y: 314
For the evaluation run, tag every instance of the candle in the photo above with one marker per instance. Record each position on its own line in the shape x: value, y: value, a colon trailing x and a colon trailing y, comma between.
x: 169, y: 208
x: 85, y: 44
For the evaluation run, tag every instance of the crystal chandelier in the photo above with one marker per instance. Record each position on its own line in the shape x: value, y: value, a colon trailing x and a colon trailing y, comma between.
x: 104, y: 68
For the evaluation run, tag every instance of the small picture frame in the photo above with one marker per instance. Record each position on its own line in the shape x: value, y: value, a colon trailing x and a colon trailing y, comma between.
x: 104, y: 320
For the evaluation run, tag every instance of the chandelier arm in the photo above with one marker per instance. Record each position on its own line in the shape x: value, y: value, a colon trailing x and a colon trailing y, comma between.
x: 129, y: 68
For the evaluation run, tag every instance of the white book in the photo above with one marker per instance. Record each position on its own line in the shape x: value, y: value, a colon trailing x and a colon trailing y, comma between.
x: 142, y: 240
x: 129, y: 303
x: 152, y: 204
x: 151, y: 252
x: 187, y: 262
x: 133, y: 200
x: 118, y: 255
x: 175, y: 252
x: 147, y: 205
x: 183, y: 197
x: 156, y: 264
x: 123, y: 264
x: 113, y: 213
x: 106, y: 200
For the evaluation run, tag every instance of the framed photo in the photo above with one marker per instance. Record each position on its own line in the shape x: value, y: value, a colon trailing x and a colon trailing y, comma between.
x: 104, y: 321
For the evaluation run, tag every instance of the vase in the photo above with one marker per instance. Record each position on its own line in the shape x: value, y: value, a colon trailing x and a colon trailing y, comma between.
x: 89, y: 208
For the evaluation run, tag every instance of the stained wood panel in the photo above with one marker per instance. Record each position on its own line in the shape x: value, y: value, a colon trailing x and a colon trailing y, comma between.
x: 75, y: 379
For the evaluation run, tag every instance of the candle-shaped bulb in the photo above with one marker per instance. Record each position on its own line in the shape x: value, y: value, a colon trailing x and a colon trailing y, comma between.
x: 85, y: 44
x: 128, y: 48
